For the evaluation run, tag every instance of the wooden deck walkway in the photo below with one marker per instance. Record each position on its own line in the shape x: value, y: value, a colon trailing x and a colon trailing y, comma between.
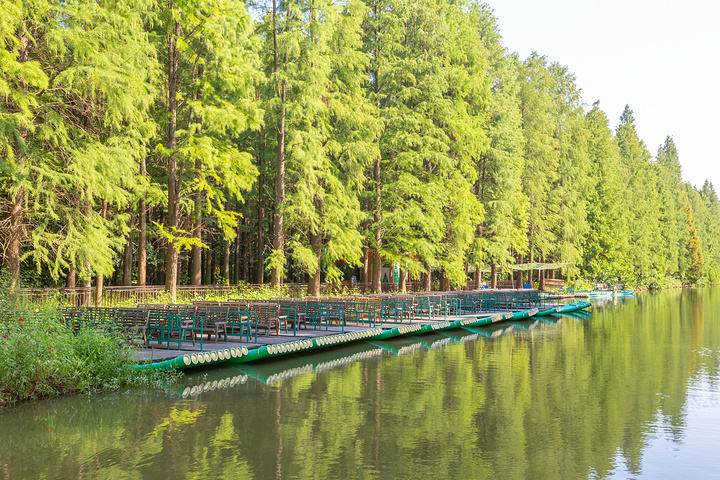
x: 159, y: 352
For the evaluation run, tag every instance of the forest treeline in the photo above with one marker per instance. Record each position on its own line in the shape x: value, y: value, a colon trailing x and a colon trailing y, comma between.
x: 150, y: 142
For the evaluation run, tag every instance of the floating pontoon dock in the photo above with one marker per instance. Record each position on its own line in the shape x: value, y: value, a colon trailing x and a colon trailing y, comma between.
x: 276, y: 346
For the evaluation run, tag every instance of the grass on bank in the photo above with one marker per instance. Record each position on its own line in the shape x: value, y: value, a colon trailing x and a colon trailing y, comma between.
x: 41, y: 358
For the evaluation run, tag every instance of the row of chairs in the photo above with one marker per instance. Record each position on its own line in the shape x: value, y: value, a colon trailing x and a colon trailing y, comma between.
x: 180, y: 323
x: 191, y: 323
x: 322, y: 312
x: 268, y: 316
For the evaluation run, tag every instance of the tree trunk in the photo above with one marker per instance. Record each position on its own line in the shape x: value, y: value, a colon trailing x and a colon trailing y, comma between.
x: 427, y: 280
x: 530, y: 273
x: 70, y: 278
x: 127, y: 257
x: 226, y: 262
x: 236, y: 265
x: 99, y: 281
x: 465, y: 285
x: 477, y: 279
x: 377, y: 260
x: 11, y: 263
x: 376, y: 281
x: 316, y: 238
x: 209, y: 254
x: 213, y: 269
x: 365, y: 266
x: 403, y: 281
x: 260, y: 261
x: 245, y: 255
x: 171, y: 257
x: 70, y: 283
x: 313, y: 289
x: 142, y: 234
x: 196, y: 272
x: 444, y: 281
x: 11, y: 258
x: 519, y: 274
x: 279, y: 227
x: 174, y: 180
x: 493, y: 275
x: 87, y: 285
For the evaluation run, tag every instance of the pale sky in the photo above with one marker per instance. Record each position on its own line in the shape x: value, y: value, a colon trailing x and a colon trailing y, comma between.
x: 660, y: 57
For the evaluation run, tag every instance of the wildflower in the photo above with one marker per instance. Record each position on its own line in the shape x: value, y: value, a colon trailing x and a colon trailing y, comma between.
x: 20, y: 320
x: 51, y: 348
x: 4, y: 336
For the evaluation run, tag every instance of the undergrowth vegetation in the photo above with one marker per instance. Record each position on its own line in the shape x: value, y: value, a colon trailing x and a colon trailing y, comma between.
x: 40, y: 357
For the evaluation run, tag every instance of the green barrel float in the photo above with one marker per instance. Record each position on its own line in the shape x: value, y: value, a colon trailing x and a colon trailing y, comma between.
x: 191, y: 360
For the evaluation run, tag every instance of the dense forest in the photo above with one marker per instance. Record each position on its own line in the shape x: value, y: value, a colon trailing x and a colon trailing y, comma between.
x: 196, y: 142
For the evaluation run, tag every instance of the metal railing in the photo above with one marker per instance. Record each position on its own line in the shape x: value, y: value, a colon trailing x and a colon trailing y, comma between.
x: 121, y: 295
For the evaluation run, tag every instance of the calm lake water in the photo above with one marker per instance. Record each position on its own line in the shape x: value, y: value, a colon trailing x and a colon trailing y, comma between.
x: 631, y: 392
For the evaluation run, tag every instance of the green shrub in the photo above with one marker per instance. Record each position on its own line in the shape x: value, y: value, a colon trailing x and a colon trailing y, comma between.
x: 40, y: 357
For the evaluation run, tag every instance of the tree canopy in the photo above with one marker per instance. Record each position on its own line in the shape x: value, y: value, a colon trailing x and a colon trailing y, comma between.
x: 167, y: 142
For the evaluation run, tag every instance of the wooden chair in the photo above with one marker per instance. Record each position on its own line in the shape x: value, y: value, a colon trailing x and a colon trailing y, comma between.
x: 215, y: 321
x: 296, y: 312
x: 268, y: 316
x: 133, y: 323
x: 244, y: 320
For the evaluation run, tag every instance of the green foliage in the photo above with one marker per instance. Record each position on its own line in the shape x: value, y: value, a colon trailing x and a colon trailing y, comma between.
x: 706, y: 208
x: 330, y: 127
x: 607, y: 241
x: 672, y: 218
x: 181, y: 239
x: 406, y: 126
x: 41, y: 357
x: 217, y: 71
x: 641, y: 197
x: 696, y: 263
x: 500, y: 166
x: 432, y: 93
x: 74, y: 121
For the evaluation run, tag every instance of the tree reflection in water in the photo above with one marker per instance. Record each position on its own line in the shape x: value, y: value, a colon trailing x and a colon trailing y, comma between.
x: 579, y: 398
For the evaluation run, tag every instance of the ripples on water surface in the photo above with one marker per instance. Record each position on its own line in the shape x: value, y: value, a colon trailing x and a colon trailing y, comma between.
x: 632, y: 392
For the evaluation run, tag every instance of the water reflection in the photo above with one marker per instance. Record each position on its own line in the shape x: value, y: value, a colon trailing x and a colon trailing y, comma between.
x: 631, y: 391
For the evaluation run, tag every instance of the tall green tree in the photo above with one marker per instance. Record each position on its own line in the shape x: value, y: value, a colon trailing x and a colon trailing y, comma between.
x: 672, y: 218
x: 538, y: 107
x: 606, y: 244
x: 76, y: 90
x: 694, y: 246
x: 573, y: 184
x: 706, y: 212
x: 330, y: 128
x: 207, y: 101
x: 432, y: 97
x: 500, y: 166
x: 641, y: 197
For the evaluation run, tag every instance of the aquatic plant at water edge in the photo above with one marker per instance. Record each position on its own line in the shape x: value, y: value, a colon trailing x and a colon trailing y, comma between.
x: 40, y: 357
